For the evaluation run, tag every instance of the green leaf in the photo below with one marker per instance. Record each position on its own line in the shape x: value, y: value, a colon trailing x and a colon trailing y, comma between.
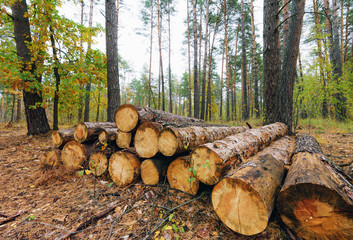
x: 182, y: 230
x: 175, y: 228
x: 171, y: 217
x: 80, y: 173
x: 111, y: 184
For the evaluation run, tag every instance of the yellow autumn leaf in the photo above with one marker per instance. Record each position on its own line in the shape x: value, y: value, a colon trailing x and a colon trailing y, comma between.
x: 168, y: 228
x: 88, y: 172
x: 156, y: 233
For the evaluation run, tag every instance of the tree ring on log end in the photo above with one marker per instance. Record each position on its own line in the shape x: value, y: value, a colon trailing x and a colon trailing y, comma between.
x: 123, y: 139
x: 167, y: 142
x: 81, y: 132
x: 103, y: 137
x: 98, y: 163
x: 126, y: 117
x: 207, y: 165
x: 149, y: 172
x: 239, y: 206
x: 52, y: 157
x: 323, y: 215
x: 124, y: 168
x: 146, y: 140
x: 56, y: 138
x: 73, y: 155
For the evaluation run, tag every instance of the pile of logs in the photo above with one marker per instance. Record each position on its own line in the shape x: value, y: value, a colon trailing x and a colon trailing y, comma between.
x: 246, y: 166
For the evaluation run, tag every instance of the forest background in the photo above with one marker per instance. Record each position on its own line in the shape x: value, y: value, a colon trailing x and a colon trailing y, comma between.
x: 61, y: 75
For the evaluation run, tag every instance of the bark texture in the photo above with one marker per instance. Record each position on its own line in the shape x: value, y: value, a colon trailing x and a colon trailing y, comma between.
x: 128, y: 117
x: 173, y: 141
x: 88, y: 131
x: 124, y: 168
x: 316, y: 200
x: 181, y: 177
x: 61, y: 137
x: 211, y: 161
x: 241, y: 199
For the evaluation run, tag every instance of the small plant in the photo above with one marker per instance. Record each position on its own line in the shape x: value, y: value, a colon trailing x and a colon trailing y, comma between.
x: 30, y: 217
x: 110, y: 184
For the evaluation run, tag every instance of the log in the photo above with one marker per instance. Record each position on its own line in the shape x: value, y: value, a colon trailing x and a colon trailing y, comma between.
x: 211, y: 161
x: 123, y: 139
x: 316, y: 200
x: 124, y: 168
x: 98, y: 160
x: 154, y: 170
x: 62, y: 136
x: 52, y: 157
x: 244, y: 199
x: 74, y: 154
x: 89, y: 131
x: 173, y: 141
x: 146, y: 139
x: 107, y: 135
x: 128, y: 117
x: 180, y: 176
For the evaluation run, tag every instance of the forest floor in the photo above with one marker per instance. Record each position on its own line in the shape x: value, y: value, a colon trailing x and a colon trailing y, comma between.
x: 52, y: 202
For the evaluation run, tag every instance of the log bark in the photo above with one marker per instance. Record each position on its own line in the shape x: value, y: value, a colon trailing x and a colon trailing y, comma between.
x: 74, y: 154
x: 146, y: 139
x: 154, y: 170
x: 316, y: 200
x: 62, y: 136
x: 123, y: 139
x: 52, y: 157
x: 244, y: 199
x: 173, y: 141
x: 107, y: 135
x: 88, y: 131
x: 128, y: 117
x: 124, y: 168
x: 211, y: 161
x: 180, y: 176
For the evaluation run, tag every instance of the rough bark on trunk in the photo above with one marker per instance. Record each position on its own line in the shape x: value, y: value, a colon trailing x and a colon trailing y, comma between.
x: 52, y: 157
x: 244, y: 91
x: 212, y: 160
x: 124, y: 168
x: 154, y: 170
x: 181, y: 177
x: 107, y: 135
x: 316, y: 200
x: 87, y: 131
x: 61, y: 137
x: 173, y: 141
x: 127, y: 117
x: 123, y: 139
x: 241, y: 199
x: 196, y: 84
x: 74, y: 154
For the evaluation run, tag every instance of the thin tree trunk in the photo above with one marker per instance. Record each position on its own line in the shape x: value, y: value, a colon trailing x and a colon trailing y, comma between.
x: 160, y: 53
x: 196, y: 87
x: 244, y: 97
x: 285, y: 19
x: 203, y: 99
x: 226, y: 58
x: 345, y: 58
x: 150, y: 64
x: 169, y: 68
x: 255, y: 75
x: 19, y: 107
x: 81, y: 99
x: 234, y: 87
x: 221, y: 95
x: 189, y: 56
x: 88, y: 85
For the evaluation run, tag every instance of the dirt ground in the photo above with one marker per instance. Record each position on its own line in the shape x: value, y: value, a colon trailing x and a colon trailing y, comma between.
x: 53, y: 202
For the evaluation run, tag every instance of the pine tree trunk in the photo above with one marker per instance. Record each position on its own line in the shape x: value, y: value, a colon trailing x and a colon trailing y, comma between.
x: 211, y: 161
x: 37, y: 121
x: 244, y: 96
x: 241, y: 199
x: 316, y: 200
x: 221, y: 91
x: 150, y: 64
x: 255, y: 77
x: 189, y: 56
x: 196, y: 84
x: 174, y: 141
x: 180, y: 177
x: 128, y: 117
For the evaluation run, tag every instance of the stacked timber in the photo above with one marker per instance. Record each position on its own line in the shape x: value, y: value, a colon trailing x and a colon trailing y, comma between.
x: 245, y: 198
x: 211, y: 161
x: 89, y: 131
x: 316, y: 200
x: 107, y: 135
x: 62, y: 136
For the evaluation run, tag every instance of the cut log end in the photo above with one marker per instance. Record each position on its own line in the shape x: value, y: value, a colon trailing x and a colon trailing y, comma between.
x: 56, y: 138
x: 73, y: 155
x: 98, y: 163
x: 123, y: 139
x: 52, y: 157
x: 181, y: 177
x: 320, y: 216
x: 146, y: 140
x: 81, y: 132
x: 167, y: 142
x: 207, y: 165
x: 126, y: 117
x: 124, y: 168
x: 149, y: 172
x: 239, y: 206
x: 103, y: 137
